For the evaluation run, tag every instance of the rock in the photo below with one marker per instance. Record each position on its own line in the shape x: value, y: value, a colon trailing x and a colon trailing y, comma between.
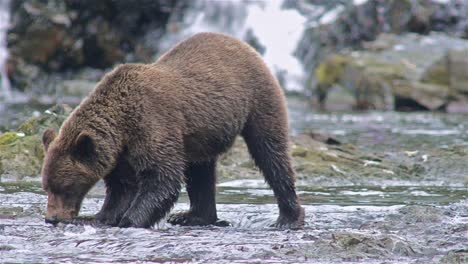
x: 458, y: 105
x: 60, y: 35
x: 21, y: 155
x: 68, y: 87
x: 21, y: 152
x: 407, y: 72
x: 438, y: 72
x: 354, y: 24
x: 419, y: 96
x: 315, y: 163
x: 359, y: 246
x: 413, y: 214
x: 323, y: 137
x: 327, y: 74
x: 56, y: 36
x: 338, y: 26
x: 458, y: 73
x: 455, y: 256
x: 366, y: 245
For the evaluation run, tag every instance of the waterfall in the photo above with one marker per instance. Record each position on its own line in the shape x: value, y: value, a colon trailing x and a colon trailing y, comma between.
x: 274, y: 30
x: 4, y: 22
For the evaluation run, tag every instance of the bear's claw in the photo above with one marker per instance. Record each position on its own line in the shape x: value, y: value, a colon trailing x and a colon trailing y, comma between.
x: 284, y: 222
x: 188, y: 219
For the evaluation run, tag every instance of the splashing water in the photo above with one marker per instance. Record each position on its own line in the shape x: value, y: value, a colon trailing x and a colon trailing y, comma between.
x: 274, y: 28
x: 4, y: 22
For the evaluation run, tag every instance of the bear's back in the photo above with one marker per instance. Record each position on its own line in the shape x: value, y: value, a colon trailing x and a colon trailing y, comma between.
x: 219, y: 60
x: 219, y: 80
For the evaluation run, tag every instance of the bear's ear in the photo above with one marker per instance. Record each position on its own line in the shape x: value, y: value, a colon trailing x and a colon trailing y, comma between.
x: 84, y: 146
x: 47, y: 137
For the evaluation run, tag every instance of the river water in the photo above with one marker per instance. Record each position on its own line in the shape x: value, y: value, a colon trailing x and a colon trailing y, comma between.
x: 344, y: 224
x: 416, y: 221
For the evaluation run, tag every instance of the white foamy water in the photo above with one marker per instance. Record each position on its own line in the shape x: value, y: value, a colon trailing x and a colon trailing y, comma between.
x: 275, y: 28
x: 4, y: 22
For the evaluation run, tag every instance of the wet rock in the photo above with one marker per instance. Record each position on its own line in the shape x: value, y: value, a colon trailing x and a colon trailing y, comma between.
x: 21, y: 152
x: 10, y: 212
x: 58, y: 36
x: 419, y: 96
x: 358, y: 246
x: 455, y: 256
x: 317, y: 158
x: 365, y: 245
x: 449, y: 161
x: 61, y: 34
x: 322, y: 163
x: 70, y: 86
x: 316, y: 163
x: 323, y: 137
x: 342, y: 24
x: 413, y: 214
x: 6, y: 248
x: 457, y: 66
x: 408, y: 72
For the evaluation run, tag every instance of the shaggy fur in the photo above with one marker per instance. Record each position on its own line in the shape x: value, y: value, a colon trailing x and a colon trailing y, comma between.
x: 147, y: 129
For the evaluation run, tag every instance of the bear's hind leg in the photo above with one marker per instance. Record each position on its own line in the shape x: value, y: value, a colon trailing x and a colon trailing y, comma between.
x: 267, y: 141
x: 200, y: 181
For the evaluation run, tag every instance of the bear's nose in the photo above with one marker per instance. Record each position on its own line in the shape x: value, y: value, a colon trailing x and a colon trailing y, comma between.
x: 51, y: 220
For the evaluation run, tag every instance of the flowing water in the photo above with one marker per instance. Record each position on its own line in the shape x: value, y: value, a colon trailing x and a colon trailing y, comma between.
x: 384, y: 130
x: 345, y: 224
x: 352, y: 224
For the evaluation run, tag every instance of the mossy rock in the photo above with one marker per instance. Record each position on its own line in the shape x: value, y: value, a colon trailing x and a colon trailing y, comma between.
x: 9, y: 138
x: 315, y: 163
x: 51, y: 118
x: 21, y: 155
x: 331, y: 70
x: 407, y: 72
x: 21, y: 152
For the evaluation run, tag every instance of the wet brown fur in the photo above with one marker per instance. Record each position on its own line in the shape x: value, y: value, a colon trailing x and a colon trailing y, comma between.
x: 148, y: 128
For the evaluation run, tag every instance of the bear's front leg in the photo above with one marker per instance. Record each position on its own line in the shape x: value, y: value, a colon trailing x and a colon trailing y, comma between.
x: 121, y: 189
x: 158, y: 190
x: 200, y: 181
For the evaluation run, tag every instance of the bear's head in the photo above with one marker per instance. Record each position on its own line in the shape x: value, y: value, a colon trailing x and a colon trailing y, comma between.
x: 68, y: 173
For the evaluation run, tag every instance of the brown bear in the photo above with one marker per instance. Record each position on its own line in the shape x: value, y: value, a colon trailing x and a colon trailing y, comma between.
x: 148, y: 128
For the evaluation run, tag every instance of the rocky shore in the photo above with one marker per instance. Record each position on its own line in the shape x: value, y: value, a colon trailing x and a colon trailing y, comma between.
x: 319, y: 159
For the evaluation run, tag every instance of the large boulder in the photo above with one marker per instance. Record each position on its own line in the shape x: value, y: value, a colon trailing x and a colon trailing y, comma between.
x: 21, y: 151
x: 337, y: 25
x: 405, y: 72
x: 458, y: 69
x: 56, y: 36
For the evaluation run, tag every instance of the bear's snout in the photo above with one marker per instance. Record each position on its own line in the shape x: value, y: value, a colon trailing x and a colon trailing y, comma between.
x: 59, y: 210
x: 52, y: 220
